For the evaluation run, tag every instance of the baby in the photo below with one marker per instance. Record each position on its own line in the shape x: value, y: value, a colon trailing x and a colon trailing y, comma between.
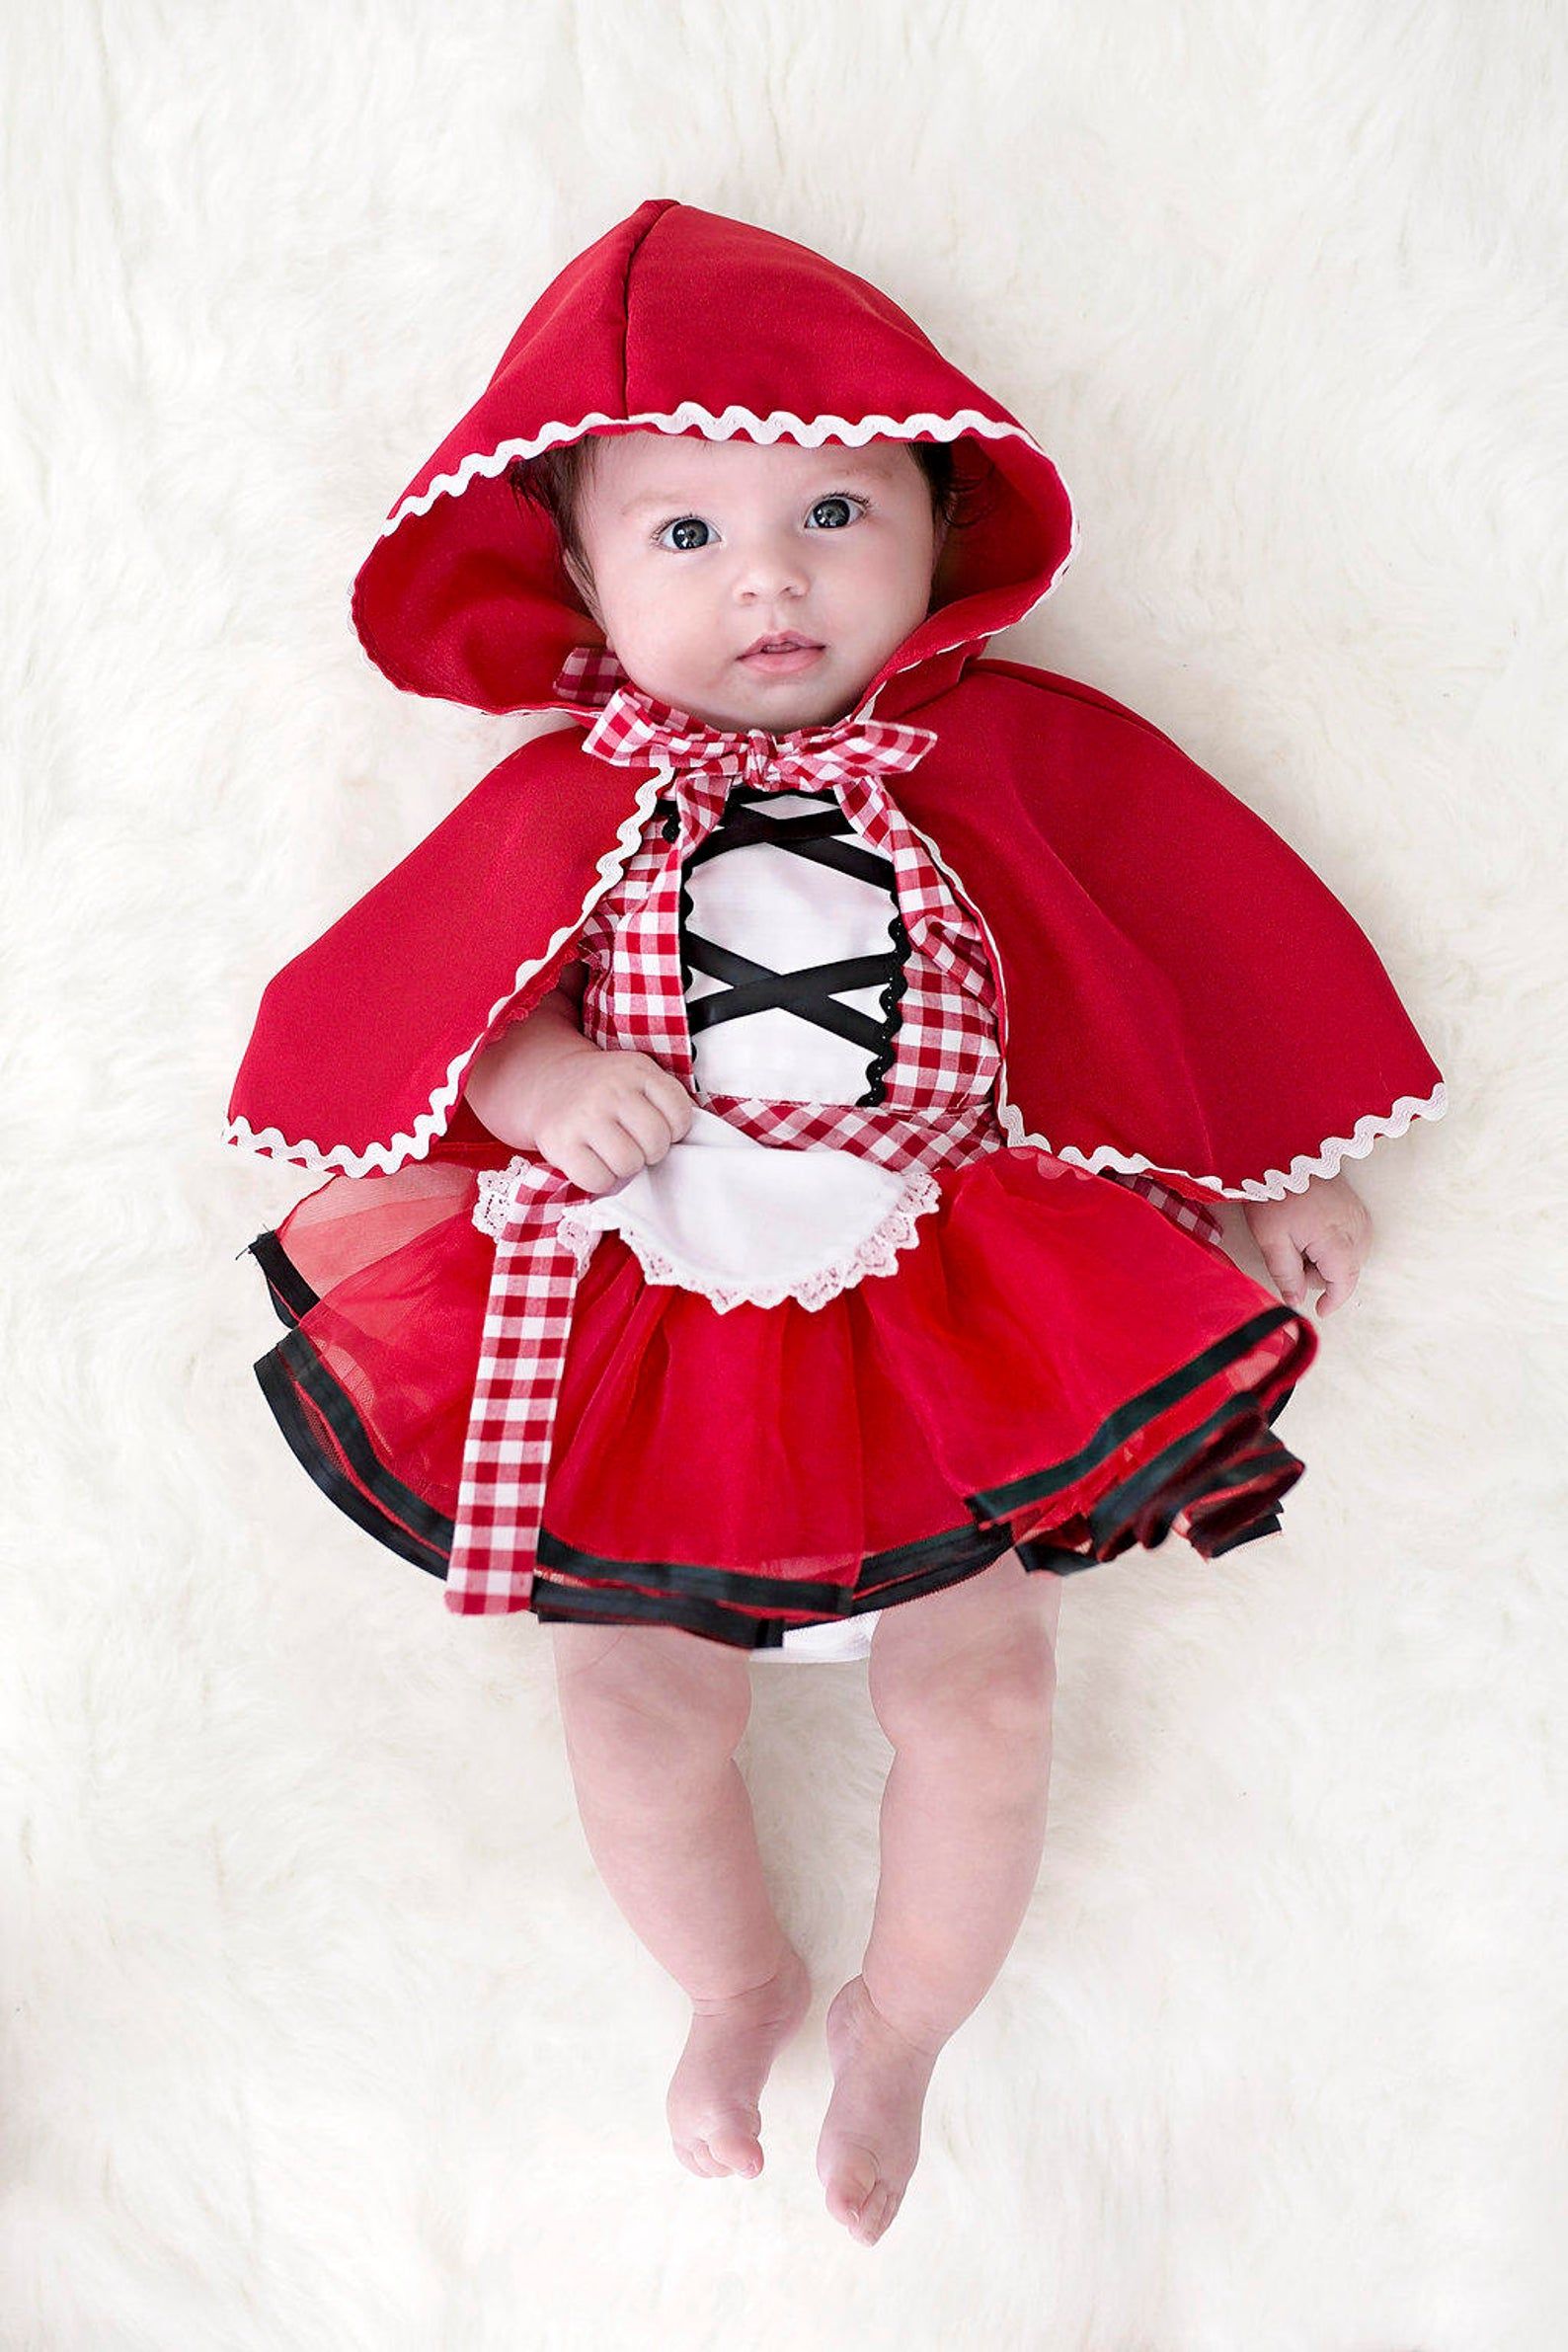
x: 696, y: 556
x: 771, y: 1128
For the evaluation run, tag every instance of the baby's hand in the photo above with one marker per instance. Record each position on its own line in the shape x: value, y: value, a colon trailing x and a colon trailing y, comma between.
x: 1326, y: 1229
x: 601, y: 1115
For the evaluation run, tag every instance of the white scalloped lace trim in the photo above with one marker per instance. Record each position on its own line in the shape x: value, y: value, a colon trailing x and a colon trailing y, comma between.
x: 1277, y: 1182
x: 1272, y: 1184
x: 778, y: 425
x: 493, y: 1203
x: 719, y: 425
x: 876, y: 1254
x: 382, y: 1158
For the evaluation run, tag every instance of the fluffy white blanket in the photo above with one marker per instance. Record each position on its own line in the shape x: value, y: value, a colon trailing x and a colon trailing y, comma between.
x: 320, y: 2031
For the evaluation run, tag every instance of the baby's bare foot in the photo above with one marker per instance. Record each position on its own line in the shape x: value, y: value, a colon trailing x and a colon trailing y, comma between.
x: 871, y: 2134
x: 712, y: 2107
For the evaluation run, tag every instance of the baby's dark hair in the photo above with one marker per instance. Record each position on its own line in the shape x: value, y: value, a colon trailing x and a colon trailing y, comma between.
x: 556, y: 478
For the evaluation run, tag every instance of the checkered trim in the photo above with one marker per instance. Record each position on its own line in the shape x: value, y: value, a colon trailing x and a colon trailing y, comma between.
x: 944, y: 1043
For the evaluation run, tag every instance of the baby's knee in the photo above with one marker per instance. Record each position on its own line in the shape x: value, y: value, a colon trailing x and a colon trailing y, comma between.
x: 999, y: 1693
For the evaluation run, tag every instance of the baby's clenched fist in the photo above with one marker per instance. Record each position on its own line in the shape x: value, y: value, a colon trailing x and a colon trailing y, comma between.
x: 599, y: 1117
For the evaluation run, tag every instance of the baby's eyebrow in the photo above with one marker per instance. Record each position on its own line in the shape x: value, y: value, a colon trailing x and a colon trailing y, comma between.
x: 851, y: 464
x: 652, y: 498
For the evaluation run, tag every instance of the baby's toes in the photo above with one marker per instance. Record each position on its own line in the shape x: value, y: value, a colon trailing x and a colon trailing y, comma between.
x: 738, y: 2148
x: 875, y: 2215
x: 728, y: 2146
x: 850, y: 2182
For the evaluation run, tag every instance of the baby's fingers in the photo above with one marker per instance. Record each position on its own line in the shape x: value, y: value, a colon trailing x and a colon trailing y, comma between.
x: 674, y: 1103
x: 1338, y: 1268
x: 1286, y: 1268
x: 643, y: 1120
x: 581, y: 1165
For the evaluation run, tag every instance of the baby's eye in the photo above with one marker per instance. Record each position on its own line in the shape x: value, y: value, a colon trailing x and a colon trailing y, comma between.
x: 847, y: 509
x: 684, y: 523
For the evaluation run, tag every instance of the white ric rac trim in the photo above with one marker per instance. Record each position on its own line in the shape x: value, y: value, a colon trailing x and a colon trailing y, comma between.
x: 722, y: 425
x: 777, y: 425
x: 1273, y: 1185
x: 382, y: 1158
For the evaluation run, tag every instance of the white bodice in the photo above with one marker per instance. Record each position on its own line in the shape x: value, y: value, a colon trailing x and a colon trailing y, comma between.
x: 785, y: 914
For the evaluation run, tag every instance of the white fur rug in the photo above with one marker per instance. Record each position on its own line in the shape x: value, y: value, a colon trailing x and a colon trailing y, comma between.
x: 320, y: 2033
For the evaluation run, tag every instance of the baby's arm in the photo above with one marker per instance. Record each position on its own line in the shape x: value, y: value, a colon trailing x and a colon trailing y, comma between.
x: 595, y: 1116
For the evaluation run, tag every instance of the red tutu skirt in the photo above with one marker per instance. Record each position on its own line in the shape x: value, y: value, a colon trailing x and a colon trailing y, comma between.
x: 1056, y: 1365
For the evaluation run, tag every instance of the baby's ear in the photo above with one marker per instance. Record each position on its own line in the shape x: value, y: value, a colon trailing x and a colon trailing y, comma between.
x: 938, y: 552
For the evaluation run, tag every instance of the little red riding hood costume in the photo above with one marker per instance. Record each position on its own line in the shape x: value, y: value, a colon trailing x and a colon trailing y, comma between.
x: 1174, y: 1001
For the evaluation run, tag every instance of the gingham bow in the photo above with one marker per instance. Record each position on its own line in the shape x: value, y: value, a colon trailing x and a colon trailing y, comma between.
x: 634, y: 731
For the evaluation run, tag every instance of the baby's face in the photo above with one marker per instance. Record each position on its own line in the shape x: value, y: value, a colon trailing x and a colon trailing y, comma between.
x: 698, y: 548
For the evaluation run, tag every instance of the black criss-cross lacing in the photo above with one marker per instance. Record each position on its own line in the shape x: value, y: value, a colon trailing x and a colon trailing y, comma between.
x: 825, y: 837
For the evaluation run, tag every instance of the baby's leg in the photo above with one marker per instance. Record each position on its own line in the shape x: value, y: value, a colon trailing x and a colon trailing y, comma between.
x: 962, y: 1682
x: 653, y: 1716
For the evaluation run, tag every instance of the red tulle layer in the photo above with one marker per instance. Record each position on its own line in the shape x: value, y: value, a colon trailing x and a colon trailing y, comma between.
x: 1055, y: 1364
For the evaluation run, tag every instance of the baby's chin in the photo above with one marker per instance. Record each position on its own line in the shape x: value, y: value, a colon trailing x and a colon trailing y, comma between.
x: 765, y: 703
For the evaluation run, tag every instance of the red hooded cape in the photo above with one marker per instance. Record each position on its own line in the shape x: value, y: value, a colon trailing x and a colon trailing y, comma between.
x: 1177, y: 990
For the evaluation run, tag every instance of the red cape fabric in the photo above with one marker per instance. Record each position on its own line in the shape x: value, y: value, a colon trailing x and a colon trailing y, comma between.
x: 1178, y: 990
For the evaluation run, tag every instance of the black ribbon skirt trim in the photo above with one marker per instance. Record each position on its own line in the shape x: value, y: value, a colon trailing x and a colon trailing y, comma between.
x: 928, y: 1561
x: 307, y: 1448
x: 739, y: 1608
x: 996, y: 1501
x: 392, y: 1511
x: 291, y: 1296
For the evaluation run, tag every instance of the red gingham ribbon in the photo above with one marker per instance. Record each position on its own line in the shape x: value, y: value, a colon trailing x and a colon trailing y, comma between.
x: 634, y: 731
x: 528, y: 1317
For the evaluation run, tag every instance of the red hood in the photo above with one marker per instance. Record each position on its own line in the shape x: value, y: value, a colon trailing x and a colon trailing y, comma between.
x: 682, y: 321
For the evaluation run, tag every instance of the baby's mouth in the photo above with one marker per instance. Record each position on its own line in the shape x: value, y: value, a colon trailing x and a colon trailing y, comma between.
x: 783, y: 656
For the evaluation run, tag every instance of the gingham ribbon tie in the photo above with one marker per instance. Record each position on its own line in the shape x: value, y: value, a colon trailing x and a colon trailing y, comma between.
x: 635, y: 731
